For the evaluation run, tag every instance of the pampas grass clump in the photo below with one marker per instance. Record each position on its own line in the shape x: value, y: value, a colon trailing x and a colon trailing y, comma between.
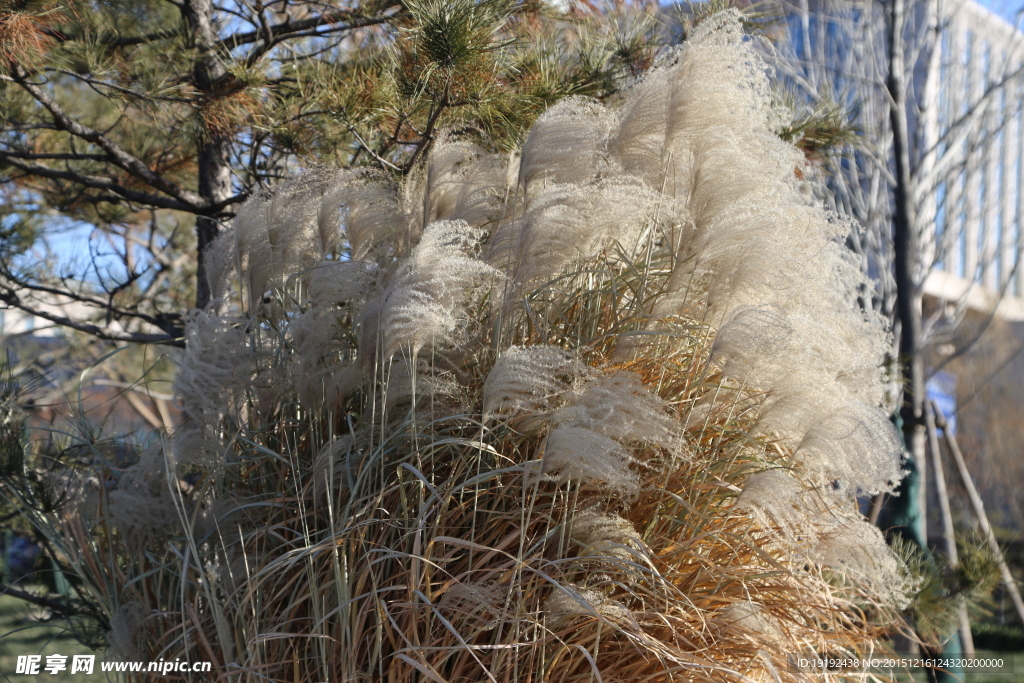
x: 599, y: 410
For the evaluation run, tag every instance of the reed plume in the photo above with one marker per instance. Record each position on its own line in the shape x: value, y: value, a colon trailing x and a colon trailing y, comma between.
x: 601, y: 409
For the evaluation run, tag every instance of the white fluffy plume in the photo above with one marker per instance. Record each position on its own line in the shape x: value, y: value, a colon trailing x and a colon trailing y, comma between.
x: 823, y: 526
x: 425, y: 304
x: 528, y: 379
x: 385, y: 290
x: 620, y: 407
x: 573, y: 452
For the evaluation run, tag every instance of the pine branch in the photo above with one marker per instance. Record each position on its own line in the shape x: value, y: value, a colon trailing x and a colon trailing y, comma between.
x: 95, y: 84
x: 278, y: 37
x: 114, y: 40
x: 291, y: 27
x: 55, y: 156
x: 100, y: 183
x: 381, y: 161
x: 216, y: 208
x: 119, y: 156
x: 428, y: 135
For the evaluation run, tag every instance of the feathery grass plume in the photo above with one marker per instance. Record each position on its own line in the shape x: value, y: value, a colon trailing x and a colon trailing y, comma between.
x: 751, y: 335
x: 217, y: 367
x: 650, y: 312
x: 278, y: 233
x: 825, y: 527
x: 752, y: 618
x: 567, y: 144
x: 573, y: 452
x: 222, y: 264
x: 469, y: 601
x: 640, y: 136
x: 340, y: 283
x: 528, y: 379
x: 319, y: 215
x: 371, y: 214
x: 619, y: 406
x: 127, y: 633
x: 197, y: 444
x: 607, y: 535
x: 571, y: 601
x: 569, y: 223
x: 754, y: 242
x: 425, y: 303
x: 855, y: 444
x: 222, y: 369
x: 854, y: 449
x: 141, y: 503
x: 323, y: 374
x: 783, y: 508
x: 409, y: 382
x: 857, y: 548
x: 465, y: 183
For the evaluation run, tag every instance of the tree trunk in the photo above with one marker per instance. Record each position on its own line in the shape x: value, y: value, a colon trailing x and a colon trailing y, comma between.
x: 931, y: 413
x: 906, y: 247
x: 215, y: 186
x: 208, y: 73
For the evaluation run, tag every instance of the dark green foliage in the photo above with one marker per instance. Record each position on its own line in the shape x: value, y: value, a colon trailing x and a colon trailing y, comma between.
x: 12, y: 428
x: 943, y: 590
x: 33, y: 483
x: 998, y: 637
x: 819, y: 128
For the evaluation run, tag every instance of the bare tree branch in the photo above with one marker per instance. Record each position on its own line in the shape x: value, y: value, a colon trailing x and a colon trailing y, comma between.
x: 119, y: 156
x: 292, y: 27
x: 56, y: 606
x: 960, y: 129
x: 12, y: 300
x: 100, y: 183
x: 59, y: 157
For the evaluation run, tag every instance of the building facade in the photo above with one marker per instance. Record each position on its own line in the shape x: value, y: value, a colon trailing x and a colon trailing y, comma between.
x: 962, y: 69
x: 976, y: 123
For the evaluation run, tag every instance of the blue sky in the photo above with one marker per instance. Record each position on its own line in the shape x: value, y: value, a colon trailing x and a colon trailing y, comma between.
x: 1008, y: 9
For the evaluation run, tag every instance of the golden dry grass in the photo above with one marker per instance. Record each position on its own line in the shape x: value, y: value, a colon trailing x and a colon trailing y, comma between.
x: 429, y: 549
